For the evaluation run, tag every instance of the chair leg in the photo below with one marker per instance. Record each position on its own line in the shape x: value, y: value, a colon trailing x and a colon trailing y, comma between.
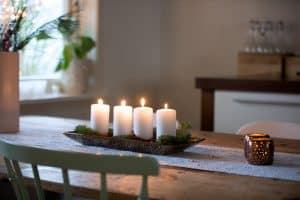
x: 67, y: 188
x: 20, y: 180
x: 103, y: 192
x: 144, y: 190
x: 37, y: 181
x: 13, y: 179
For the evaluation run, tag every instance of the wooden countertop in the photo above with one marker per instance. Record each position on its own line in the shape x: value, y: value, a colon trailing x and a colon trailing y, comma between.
x: 259, y: 83
x: 173, y: 183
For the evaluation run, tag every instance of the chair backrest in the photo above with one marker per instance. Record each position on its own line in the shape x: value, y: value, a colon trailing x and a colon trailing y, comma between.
x: 103, y: 164
x: 274, y: 129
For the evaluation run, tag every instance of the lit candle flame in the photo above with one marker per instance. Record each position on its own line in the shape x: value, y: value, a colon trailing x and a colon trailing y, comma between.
x: 123, y: 102
x: 100, y: 101
x: 143, y: 101
x: 166, y: 106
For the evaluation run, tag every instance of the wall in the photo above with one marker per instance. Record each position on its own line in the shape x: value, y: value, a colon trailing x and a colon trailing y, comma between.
x: 71, y: 108
x: 156, y: 48
x: 129, y: 50
x: 202, y: 38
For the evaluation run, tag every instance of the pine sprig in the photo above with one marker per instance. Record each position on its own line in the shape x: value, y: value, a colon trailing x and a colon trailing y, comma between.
x: 183, y: 136
x: 84, y: 130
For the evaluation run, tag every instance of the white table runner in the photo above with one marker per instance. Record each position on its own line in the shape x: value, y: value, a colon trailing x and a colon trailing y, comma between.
x: 220, y: 159
x: 229, y: 160
x: 202, y: 157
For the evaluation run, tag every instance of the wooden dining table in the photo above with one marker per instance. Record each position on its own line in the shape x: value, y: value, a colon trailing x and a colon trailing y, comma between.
x: 172, y: 183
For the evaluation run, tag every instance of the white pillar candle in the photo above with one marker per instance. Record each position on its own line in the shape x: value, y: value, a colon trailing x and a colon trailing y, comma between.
x: 143, y: 121
x: 100, y: 117
x: 154, y: 122
x: 122, y: 122
x: 165, y: 122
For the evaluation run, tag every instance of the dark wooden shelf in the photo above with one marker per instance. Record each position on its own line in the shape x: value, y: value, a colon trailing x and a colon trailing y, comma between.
x: 259, y: 83
x: 253, y: 83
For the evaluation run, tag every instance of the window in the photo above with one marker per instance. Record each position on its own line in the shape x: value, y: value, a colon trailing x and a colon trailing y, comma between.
x: 39, y: 58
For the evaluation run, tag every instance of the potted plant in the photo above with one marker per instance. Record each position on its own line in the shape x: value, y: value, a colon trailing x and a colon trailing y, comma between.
x: 74, y: 63
x: 15, y: 34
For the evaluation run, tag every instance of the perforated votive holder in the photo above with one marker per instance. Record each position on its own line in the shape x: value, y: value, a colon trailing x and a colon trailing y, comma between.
x: 259, y: 149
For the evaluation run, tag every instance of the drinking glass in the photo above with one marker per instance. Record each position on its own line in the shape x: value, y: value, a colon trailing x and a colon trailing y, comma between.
x: 250, y: 45
x: 279, y: 41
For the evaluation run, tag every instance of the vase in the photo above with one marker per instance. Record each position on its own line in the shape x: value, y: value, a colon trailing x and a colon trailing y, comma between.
x: 9, y: 92
x: 75, y: 78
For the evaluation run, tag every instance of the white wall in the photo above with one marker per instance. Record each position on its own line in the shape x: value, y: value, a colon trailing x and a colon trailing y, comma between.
x: 129, y: 49
x: 156, y: 48
x: 74, y: 108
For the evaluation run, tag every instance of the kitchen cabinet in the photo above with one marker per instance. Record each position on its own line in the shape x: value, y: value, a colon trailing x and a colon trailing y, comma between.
x: 273, y: 94
x: 234, y: 109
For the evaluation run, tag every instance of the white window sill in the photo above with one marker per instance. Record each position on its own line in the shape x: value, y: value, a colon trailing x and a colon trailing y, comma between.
x: 47, y: 89
x: 39, y: 87
x: 52, y: 98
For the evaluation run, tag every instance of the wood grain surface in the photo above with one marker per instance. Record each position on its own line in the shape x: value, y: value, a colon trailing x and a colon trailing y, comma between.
x: 173, y: 183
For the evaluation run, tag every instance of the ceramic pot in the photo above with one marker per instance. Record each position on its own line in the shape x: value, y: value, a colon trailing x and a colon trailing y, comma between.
x: 75, y: 79
x: 9, y: 92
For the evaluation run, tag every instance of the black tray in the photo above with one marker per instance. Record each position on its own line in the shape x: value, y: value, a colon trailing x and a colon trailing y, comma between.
x: 131, y: 144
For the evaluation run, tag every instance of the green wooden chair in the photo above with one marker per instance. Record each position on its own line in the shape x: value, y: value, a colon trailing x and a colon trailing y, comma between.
x: 103, y: 164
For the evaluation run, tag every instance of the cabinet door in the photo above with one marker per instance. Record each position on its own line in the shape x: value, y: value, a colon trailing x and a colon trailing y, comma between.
x: 292, y: 68
x: 234, y: 109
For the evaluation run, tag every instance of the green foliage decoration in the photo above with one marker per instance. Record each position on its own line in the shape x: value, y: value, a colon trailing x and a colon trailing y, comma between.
x: 76, y: 49
x: 65, y: 22
x: 183, y: 136
x: 84, y: 130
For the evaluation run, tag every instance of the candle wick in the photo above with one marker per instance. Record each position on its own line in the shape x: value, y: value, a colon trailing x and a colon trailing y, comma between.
x: 143, y: 102
x: 100, y: 101
x: 166, y: 106
x: 123, y: 103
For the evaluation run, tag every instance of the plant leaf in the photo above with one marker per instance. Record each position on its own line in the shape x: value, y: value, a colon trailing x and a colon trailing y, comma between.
x: 47, y: 28
x: 60, y: 65
x: 67, y: 56
x: 67, y: 26
x: 84, y: 46
x: 43, y: 36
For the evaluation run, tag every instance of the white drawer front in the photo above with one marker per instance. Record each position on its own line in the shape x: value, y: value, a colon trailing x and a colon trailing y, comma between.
x: 234, y: 109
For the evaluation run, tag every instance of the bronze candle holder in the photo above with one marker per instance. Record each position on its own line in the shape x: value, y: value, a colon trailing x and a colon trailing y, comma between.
x: 259, y: 149
x: 251, y: 136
